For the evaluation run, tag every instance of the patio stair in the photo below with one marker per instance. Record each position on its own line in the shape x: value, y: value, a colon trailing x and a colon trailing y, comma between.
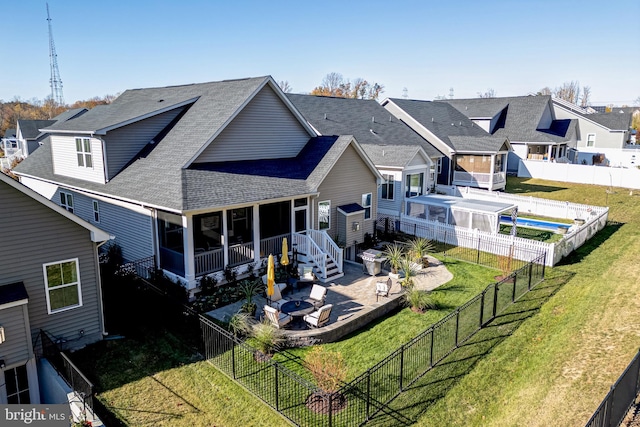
x: 332, y: 272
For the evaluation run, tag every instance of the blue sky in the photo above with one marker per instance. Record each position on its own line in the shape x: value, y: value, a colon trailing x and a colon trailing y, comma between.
x: 511, y: 46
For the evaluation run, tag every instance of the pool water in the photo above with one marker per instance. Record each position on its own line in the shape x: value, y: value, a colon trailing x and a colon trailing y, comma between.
x: 534, y: 223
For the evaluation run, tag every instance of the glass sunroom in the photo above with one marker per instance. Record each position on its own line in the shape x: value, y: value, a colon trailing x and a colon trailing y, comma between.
x: 470, y: 213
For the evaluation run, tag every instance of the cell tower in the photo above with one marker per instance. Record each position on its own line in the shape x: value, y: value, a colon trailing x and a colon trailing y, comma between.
x: 55, y: 82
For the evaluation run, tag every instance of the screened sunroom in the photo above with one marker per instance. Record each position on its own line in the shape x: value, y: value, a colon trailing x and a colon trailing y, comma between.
x: 470, y: 213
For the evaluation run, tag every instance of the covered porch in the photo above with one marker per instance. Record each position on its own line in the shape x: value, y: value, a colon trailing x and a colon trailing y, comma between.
x: 487, y: 171
x: 546, y: 152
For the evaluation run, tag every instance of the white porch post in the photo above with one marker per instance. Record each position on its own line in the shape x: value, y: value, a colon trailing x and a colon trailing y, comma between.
x: 225, y: 240
x: 549, y: 153
x: 190, y: 263
x: 256, y: 232
x: 491, y: 170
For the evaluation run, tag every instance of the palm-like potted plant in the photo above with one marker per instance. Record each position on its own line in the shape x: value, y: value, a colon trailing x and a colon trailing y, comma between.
x: 408, y: 268
x: 249, y: 289
x: 394, y: 254
x: 419, y: 248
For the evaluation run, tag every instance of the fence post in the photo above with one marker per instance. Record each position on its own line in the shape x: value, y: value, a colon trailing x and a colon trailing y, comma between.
x: 330, y: 409
x: 275, y: 367
x: 482, y: 307
x: 515, y: 279
x: 368, y: 402
x: 457, y: 325
x: 496, y: 288
x: 233, y: 359
x: 401, y: 364
x: 478, y: 258
x: 530, y: 275
x: 433, y: 337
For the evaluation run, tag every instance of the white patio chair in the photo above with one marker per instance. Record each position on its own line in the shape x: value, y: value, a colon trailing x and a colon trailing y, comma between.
x: 320, y: 317
x: 383, y: 288
x: 277, y: 318
x: 317, y: 296
x: 276, y: 299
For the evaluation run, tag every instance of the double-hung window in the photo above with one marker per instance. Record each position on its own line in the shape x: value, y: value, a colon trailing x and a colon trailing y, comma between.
x: 96, y: 211
x: 387, y: 187
x: 62, y: 285
x: 366, y: 204
x: 83, y: 151
x: 66, y: 201
x: 414, y: 184
x: 591, y: 139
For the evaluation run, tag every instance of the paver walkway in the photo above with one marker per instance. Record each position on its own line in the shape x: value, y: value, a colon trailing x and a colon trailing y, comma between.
x: 353, y: 296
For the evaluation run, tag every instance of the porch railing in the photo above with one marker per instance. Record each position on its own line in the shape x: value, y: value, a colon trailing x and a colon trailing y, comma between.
x: 477, y: 178
x: 326, y: 243
x: 241, y: 253
x: 273, y: 245
x: 209, y: 261
x: 307, y: 246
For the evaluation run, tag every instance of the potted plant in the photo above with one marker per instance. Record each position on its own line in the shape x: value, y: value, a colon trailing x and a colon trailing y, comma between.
x: 408, y: 270
x: 330, y: 371
x: 394, y: 254
x: 249, y: 289
x: 419, y: 248
x: 419, y: 301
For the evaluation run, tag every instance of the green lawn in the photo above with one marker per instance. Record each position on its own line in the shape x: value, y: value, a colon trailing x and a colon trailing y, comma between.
x: 549, y: 360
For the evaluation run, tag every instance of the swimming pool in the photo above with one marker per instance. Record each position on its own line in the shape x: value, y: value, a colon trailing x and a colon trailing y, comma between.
x: 534, y: 223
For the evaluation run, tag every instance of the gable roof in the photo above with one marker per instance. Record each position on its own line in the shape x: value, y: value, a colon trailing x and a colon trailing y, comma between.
x: 163, y: 175
x: 519, y: 120
x: 97, y: 235
x: 10, y: 133
x: 385, y: 139
x: 30, y: 129
x: 450, y: 126
x: 12, y: 293
x: 619, y: 119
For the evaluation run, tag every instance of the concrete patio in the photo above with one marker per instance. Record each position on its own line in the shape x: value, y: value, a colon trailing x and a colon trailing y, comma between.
x: 353, y: 298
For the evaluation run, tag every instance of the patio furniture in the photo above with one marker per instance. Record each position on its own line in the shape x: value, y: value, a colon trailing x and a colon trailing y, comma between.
x: 277, y: 318
x: 276, y: 300
x: 320, y: 317
x: 282, y: 286
x: 297, y: 310
x: 383, y: 288
x: 317, y: 296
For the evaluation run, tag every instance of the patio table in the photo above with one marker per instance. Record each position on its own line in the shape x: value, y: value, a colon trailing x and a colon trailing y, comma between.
x: 297, y: 310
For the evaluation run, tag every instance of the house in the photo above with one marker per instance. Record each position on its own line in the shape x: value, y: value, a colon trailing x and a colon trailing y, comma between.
x: 528, y: 122
x: 49, y: 281
x: 406, y: 161
x: 29, y: 136
x: 472, y: 157
x: 209, y: 177
x: 599, y: 133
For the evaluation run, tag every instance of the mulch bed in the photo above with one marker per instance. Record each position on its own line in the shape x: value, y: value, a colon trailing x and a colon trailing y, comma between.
x: 318, y: 402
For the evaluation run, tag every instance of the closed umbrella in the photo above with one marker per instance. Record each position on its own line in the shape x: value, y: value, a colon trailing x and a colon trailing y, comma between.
x: 271, y: 276
x: 285, y: 253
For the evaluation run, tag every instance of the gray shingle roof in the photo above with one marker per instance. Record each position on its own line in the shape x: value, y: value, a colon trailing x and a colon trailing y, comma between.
x: 450, y: 126
x: 30, y: 129
x: 70, y: 114
x: 519, y: 118
x: 10, y: 133
x: 617, y: 119
x: 159, y: 177
x: 386, y: 140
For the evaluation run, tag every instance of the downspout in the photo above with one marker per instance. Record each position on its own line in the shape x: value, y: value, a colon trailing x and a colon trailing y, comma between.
x: 99, y: 279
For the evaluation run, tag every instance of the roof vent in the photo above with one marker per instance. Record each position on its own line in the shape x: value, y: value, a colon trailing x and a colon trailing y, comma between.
x: 382, y: 153
x: 373, y: 119
x: 431, y: 119
x: 325, y: 116
x: 460, y: 123
x: 466, y: 107
x: 389, y: 118
x: 161, y: 100
x: 453, y: 124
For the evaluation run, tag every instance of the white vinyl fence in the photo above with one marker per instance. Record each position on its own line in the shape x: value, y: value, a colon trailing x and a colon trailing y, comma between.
x: 581, y: 174
x: 594, y: 217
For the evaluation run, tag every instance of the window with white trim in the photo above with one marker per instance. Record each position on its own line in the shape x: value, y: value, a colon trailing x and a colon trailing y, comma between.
x: 66, y: 201
x: 62, y: 285
x: 439, y: 163
x: 83, y: 151
x: 96, y: 210
x: 388, y: 187
x: 324, y: 215
x: 366, y: 204
x: 591, y: 139
x: 414, y: 184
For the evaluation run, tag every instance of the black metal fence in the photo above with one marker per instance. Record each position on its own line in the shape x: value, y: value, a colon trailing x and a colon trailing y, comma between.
x: 66, y: 369
x: 620, y: 398
x: 358, y: 401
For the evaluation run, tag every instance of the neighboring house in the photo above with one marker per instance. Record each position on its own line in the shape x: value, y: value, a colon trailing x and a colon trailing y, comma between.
x: 473, y: 158
x: 208, y: 177
x: 49, y: 281
x: 406, y: 161
x: 597, y: 132
x: 529, y: 122
x: 29, y: 135
x: 9, y: 143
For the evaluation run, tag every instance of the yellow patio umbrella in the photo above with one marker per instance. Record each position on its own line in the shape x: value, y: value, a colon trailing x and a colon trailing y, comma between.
x: 285, y: 253
x: 271, y: 276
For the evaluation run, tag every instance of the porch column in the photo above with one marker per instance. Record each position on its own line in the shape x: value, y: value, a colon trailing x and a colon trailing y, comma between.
x: 491, y: 170
x: 189, y: 259
x: 256, y: 232
x: 549, y: 153
x: 225, y: 241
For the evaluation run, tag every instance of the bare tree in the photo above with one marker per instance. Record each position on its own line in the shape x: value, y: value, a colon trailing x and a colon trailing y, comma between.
x: 545, y: 91
x: 569, y: 91
x: 334, y: 84
x: 285, y: 86
x: 585, y: 100
x: 637, y: 101
x: 490, y: 93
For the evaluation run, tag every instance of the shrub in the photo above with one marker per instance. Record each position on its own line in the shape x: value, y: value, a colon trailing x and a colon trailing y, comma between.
x: 240, y: 324
x: 395, y: 254
x: 267, y: 338
x: 327, y: 367
x: 419, y: 300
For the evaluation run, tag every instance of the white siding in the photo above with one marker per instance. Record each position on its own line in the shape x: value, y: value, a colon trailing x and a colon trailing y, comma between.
x: 264, y: 129
x: 65, y: 160
x: 484, y: 124
x: 604, y: 138
x: 546, y: 119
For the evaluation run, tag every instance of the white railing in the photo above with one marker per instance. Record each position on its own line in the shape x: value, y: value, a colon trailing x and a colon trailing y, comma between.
x: 315, y: 255
x: 209, y: 262
x: 241, y: 253
x: 623, y: 177
x: 478, y: 178
x: 10, y: 156
x: 326, y: 243
x: 273, y: 245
